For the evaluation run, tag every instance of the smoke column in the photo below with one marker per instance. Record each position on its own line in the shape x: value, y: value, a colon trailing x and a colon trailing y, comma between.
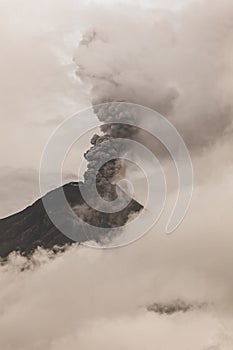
x: 177, y: 63
x: 104, y: 179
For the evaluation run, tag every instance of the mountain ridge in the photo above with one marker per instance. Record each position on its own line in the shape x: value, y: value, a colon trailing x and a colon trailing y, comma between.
x: 31, y: 228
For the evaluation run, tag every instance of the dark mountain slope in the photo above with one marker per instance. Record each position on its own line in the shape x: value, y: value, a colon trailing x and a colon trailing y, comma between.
x: 32, y: 228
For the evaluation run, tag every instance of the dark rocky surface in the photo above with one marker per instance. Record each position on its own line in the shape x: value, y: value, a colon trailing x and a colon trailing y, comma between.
x: 31, y: 228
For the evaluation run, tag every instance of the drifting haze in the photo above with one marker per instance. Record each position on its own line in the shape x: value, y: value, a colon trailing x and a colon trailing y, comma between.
x: 176, y: 63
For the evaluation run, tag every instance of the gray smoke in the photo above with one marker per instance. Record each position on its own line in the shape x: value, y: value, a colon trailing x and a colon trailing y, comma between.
x: 108, y: 149
x: 174, y: 307
x: 177, y: 63
x: 103, y: 147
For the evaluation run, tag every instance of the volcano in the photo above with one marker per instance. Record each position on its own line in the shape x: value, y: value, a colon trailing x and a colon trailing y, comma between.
x: 31, y: 228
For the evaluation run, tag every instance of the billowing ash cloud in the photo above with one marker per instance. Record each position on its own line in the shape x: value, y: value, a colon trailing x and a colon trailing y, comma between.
x: 104, y: 149
x: 178, y: 63
x: 106, y: 166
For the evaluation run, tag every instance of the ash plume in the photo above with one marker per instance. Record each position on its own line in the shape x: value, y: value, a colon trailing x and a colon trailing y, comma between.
x: 103, y: 147
x: 177, y: 63
x: 107, y: 146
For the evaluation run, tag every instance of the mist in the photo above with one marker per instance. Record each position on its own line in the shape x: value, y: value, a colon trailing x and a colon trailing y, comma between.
x: 178, y: 63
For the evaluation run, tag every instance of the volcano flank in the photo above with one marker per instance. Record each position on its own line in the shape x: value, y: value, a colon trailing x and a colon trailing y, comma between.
x: 31, y: 228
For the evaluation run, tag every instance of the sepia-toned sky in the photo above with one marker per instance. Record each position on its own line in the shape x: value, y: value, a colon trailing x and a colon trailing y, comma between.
x: 38, y: 86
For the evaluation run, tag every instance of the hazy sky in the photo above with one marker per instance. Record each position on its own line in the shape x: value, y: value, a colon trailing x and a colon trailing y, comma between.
x: 38, y: 88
